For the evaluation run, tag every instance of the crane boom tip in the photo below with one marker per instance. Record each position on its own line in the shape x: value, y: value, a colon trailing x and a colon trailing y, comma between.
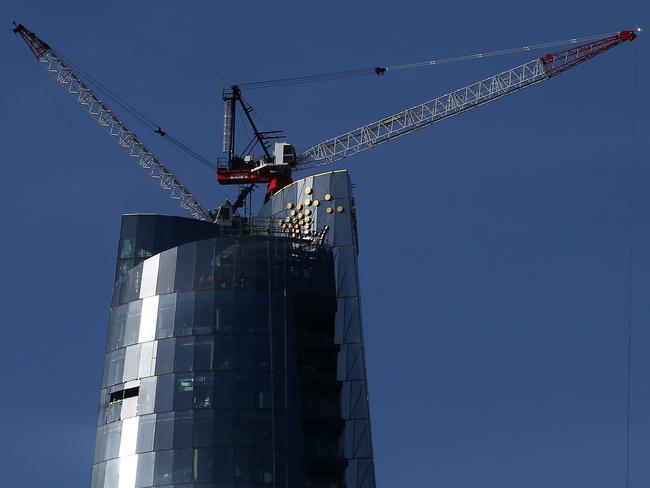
x: 628, y: 35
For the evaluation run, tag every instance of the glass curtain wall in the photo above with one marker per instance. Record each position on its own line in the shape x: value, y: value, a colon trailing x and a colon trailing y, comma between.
x: 220, y: 366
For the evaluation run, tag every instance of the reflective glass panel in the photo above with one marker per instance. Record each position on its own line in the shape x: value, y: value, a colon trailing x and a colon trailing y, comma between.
x: 116, y: 327
x: 146, y: 464
x: 146, y: 432
x: 132, y: 327
x: 163, y: 468
x: 166, y: 313
x: 166, y: 272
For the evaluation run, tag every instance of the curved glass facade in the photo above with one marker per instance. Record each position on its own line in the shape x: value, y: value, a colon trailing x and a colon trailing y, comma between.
x: 213, y: 349
x: 237, y: 360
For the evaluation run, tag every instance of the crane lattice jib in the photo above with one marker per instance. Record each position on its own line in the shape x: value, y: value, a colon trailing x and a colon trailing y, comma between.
x: 456, y: 102
x: 114, y: 127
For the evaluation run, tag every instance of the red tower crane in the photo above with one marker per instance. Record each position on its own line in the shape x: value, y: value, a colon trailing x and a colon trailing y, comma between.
x: 276, y: 165
x: 276, y: 169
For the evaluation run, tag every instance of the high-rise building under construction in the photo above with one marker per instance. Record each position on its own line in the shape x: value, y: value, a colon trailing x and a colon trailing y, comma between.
x: 235, y: 352
x: 235, y: 357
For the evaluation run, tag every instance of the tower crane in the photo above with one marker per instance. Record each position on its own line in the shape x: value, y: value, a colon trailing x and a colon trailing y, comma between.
x: 276, y: 169
x: 276, y: 166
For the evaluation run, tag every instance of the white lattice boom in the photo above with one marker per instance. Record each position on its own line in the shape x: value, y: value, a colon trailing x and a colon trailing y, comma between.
x: 454, y: 103
x: 114, y: 127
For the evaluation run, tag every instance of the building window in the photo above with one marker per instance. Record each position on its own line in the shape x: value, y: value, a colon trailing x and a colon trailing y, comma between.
x: 119, y: 395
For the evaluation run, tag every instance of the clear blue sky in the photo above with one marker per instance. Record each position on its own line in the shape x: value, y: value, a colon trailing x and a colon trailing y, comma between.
x: 495, y: 247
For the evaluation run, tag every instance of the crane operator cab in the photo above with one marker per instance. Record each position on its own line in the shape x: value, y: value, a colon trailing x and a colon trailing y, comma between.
x: 284, y: 158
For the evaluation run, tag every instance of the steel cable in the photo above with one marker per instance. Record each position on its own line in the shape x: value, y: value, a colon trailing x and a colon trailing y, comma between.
x: 380, y: 70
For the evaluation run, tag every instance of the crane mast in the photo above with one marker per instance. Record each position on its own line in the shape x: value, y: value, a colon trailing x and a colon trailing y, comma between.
x: 146, y: 159
x: 456, y: 102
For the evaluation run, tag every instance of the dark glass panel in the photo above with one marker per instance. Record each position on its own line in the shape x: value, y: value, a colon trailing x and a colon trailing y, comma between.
x: 244, y: 389
x: 264, y: 430
x: 260, y: 321
x: 165, y: 356
x: 183, y: 459
x: 224, y: 269
x: 121, y: 272
x: 223, y: 389
x: 183, y: 428
x: 253, y: 465
x: 165, y: 393
x: 204, y: 312
x: 127, y: 237
x: 223, y: 465
x: 184, y: 321
x: 185, y: 257
x: 203, y: 353
x: 224, y: 350
x: 223, y: 427
x: 244, y: 428
x: 133, y: 281
x: 163, y: 469
x: 203, y: 390
x: 203, y: 427
x: 263, y: 352
x: 203, y: 463
x: 164, y: 431
x: 226, y: 311
x: 146, y: 234
x: 116, y: 327
x: 283, y: 358
x: 246, y: 356
x: 184, y: 391
x: 184, y: 356
x: 203, y: 269
x: 263, y: 390
x: 252, y: 311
